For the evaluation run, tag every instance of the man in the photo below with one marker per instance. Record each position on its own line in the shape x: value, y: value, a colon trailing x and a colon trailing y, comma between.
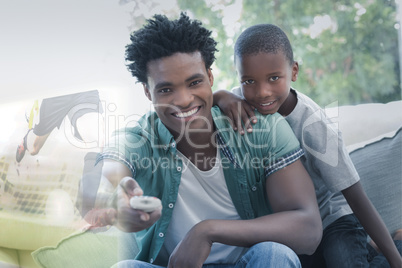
x: 227, y: 200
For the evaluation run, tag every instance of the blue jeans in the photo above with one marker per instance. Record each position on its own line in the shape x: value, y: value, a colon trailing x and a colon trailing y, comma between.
x: 266, y: 254
x: 344, y: 244
x: 378, y: 260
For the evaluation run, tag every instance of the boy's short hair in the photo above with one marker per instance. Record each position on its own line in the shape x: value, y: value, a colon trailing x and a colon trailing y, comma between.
x: 266, y: 38
x: 162, y: 37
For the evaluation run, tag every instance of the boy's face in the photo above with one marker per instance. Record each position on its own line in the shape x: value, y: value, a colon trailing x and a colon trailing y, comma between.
x: 179, y: 87
x: 265, y: 79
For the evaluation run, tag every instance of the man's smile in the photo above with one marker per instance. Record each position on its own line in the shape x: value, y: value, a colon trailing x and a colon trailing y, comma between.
x: 187, y: 114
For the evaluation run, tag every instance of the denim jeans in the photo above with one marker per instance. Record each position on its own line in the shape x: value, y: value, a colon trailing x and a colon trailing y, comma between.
x: 378, y: 260
x: 266, y: 254
x: 344, y: 244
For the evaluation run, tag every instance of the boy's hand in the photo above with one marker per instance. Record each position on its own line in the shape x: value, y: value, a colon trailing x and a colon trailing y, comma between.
x: 193, y: 250
x: 237, y: 109
x: 128, y: 219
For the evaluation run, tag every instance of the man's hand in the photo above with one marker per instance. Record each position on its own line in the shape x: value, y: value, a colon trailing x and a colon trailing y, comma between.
x: 193, y: 250
x: 237, y: 109
x: 100, y: 217
x: 128, y: 219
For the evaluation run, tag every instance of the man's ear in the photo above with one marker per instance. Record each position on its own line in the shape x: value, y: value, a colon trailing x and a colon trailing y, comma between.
x: 210, y: 77
x: 146, y: 91
x: 295, y: 71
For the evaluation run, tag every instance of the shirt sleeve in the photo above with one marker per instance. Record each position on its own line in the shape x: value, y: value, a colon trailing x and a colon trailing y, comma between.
x: 127, y: 147
x: 330, y: 159
x: 279, y: 143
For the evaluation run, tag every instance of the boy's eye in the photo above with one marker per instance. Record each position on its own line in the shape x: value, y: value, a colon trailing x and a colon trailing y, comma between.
x: 248, y: 82
x: 274, y: 78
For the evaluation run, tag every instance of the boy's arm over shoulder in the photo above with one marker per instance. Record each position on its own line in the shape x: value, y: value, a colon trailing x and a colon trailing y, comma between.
x: 236, y: 108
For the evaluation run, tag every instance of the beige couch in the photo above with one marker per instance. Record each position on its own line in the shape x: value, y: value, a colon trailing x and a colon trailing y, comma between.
x: 363, y: 126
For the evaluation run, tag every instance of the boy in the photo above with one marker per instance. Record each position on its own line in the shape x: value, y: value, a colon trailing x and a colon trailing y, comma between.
x: 265, y: 67
x: 217, y: 209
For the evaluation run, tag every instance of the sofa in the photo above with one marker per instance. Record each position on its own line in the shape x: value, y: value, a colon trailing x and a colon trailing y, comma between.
x: 373, y: 136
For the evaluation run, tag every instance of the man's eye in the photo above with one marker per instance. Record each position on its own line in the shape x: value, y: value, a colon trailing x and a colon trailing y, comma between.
x: 164, y: 90
x: 274, y: 78
x: 248, y: 82
x: 195, y: 83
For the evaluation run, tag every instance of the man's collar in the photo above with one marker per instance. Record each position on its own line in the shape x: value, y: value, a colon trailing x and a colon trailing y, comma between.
x: 155, y: 131
x: 153, y: 128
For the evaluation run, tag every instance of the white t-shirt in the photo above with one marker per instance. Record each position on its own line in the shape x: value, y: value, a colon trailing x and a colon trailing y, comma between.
x: 202, y: 195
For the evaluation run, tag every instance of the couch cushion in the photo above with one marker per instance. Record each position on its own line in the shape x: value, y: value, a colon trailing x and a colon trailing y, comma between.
x: 26, y: 260
x: 379, y: 165
x: 21, y: 232
x: 89, y: 249
x: 12, y: 258
x: 8, y: 258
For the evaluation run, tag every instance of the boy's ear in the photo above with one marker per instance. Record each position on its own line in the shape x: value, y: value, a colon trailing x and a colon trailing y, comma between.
x: 146, y: 91
x: 210, y: 77
x: 295, y: 71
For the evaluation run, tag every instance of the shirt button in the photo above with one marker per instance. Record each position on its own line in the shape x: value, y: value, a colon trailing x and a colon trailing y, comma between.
x: 171, y: 205
x: 178, y: 168
x: 173, y: 144
x: 151, y: 260
x: 254, y: 189
x: 165, y: 147
x: 161, y: 234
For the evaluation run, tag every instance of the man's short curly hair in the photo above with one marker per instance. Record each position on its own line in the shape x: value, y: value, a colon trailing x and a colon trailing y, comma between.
x: 162, y: 37
x: 265, y: 38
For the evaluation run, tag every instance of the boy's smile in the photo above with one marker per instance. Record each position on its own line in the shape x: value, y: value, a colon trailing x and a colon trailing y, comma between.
x: 179, y: 86
x: 265, y: 80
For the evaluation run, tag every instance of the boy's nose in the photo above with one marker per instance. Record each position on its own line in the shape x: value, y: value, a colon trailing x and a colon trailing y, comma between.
x: 264, y: 91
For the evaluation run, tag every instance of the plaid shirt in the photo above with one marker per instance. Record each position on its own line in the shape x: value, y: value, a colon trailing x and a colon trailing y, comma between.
x: 149, y: 151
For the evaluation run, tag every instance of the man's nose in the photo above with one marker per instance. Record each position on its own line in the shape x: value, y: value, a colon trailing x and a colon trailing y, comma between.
x: 183, y: 98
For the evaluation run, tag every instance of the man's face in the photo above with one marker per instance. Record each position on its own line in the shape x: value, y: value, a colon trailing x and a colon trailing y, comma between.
x: 179, y: 87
